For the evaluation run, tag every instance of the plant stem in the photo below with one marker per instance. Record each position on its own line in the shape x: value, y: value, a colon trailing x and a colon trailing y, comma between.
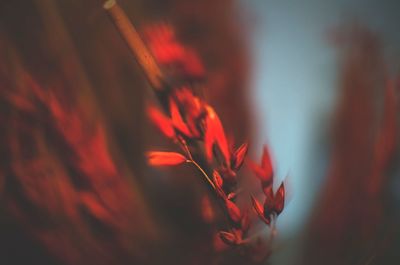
x: 202, y: 172
x: 135, y: 44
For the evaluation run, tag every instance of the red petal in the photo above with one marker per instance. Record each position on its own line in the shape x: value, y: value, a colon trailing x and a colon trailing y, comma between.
x: 280, y: 199
x: 156, y: 158
x: 239, y: 155
x: 177, y: 119
x: 233, y: 211
x: 228, y: 238
x: 162, y: 122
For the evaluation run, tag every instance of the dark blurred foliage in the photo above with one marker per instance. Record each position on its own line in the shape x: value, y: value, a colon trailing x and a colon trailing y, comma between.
x: 356, y: 220
x: 74, y: 189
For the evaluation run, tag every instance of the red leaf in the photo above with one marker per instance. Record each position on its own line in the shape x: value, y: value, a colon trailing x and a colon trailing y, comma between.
x: 218, y: 181
x: 233, y: 211
x: 260, y: 211
x: 279, y: 200
x: 228, y: 238
x: 156, y: 158
x: 177, y: 119
x: 239, y: 155
x: 257, y: 206
x: 209, y: 139
x: 162, y: 122
x: 259, y: 172
x: 215, y: 134
x: 266, y: 163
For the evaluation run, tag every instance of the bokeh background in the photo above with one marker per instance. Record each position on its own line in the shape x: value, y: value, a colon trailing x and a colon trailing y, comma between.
x: 318, y: 81
x: 296, y: 79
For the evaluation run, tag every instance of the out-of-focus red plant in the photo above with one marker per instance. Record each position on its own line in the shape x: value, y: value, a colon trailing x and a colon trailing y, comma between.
x: 195, y: 127
x: 197, y: 130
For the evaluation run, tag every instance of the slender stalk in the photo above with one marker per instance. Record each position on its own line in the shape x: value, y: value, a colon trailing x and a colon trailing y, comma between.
x: 203, y: 173
x: 135, y: 43
x: 184, y: 146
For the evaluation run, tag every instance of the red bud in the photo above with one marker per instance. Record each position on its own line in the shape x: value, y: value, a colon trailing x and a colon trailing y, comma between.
x: 218, y: 181
x: 238, y: 156
x: 157, y: 158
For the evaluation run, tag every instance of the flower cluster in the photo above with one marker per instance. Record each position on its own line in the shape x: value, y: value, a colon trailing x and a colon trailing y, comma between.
x: 195, y: 127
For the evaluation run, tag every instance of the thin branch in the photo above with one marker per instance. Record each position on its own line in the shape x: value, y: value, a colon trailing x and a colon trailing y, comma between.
x: 135, y: 43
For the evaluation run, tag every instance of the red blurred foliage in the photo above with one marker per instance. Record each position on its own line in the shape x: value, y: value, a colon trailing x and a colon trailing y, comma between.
x: 352, y: 223
x: 197, y: 125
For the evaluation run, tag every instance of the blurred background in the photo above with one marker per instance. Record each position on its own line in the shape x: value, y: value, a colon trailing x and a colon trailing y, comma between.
x: 297, y: 76
x: 318, y: 81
